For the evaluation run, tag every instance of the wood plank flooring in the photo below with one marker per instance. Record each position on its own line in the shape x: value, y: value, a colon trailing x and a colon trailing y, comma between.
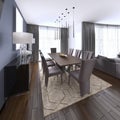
x: 104, y: 105
x: 27, y: 106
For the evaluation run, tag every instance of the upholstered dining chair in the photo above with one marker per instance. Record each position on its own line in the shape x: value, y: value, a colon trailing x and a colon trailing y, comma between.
x: 78, y: 53
x: 53, y: 50
x: 82, y: 76
x: 50, y: 71
x: 85, y: 56
x: 49, y: 62
x: 90, y: 55
x: 70, y: 51
x: 47, y: 59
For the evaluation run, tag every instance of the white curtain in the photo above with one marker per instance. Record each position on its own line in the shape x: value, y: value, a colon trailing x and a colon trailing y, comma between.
x: 107, y: 40
x: 49, y: 37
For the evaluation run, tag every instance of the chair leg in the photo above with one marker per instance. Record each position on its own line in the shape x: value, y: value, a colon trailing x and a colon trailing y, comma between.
x: 84, y: 87
x: 69, y: 80
x: 75, y: 67
x: 61, y: 78
x: 46, y: 81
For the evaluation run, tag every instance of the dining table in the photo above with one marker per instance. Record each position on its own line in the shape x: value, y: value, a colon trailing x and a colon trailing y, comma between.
x: 64, y: 60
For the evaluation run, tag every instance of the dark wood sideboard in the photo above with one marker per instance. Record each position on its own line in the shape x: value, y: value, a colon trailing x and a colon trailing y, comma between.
x: 17, y: 75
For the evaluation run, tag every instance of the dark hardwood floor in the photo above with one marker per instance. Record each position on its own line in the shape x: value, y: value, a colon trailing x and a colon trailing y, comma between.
x: 104, y: 105
x: 26, y: 106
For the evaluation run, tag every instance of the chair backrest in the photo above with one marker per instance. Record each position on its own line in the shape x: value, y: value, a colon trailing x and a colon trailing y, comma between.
x: 86, y: 69
x: 70, y: 51
x: 84, y: 55
x: 40, y: 52
x: 90, y: 55
x: 53, y: 50
x: 77, y: 53
x: 44, y: 65
x: 87, y: 55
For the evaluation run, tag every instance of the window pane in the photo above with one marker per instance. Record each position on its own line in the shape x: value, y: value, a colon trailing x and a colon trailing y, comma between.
x: 107, y: 40
x: 48, y: 39
x: 19, y: 25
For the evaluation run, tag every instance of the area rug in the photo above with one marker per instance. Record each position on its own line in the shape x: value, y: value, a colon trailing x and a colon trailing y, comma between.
x: 58, y: 96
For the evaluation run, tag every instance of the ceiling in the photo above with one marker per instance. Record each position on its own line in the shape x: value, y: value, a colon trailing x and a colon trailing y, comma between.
x: 45, y: 12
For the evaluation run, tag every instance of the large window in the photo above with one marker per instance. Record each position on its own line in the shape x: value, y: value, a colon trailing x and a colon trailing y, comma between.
x: 49, y: 38
x: 19, y: 25
x: 107, y: 40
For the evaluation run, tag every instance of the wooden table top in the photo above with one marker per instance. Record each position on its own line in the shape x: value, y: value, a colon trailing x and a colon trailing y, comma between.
x: 64, y: 61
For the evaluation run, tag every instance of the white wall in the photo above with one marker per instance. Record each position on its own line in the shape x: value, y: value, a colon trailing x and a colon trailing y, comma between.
x: 76, y: 41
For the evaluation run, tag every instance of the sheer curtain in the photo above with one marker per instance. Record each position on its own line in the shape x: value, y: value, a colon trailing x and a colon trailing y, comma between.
x: 107, y: 40
x: 49, y: 37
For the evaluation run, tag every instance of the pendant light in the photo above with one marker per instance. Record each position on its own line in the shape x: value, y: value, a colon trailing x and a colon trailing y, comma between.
x: 73, y: 23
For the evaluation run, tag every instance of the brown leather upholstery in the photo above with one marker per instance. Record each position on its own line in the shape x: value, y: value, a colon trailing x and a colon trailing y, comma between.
x: 82, y: 76
x: 50, y: 71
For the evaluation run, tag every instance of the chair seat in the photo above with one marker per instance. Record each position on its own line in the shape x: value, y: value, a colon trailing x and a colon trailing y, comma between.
x: 50, y: 63
x: 77, y: 65
x: 48, y: 59
x: 55, y: 70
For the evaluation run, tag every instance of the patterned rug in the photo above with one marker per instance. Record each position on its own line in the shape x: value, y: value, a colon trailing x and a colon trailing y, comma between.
x: 58, y: 96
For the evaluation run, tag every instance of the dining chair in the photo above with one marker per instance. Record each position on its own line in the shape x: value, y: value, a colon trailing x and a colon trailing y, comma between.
x: 70, y: 51
x: 50, y: 71
x: 53, y: 50
x: 82, y: 76
x: 49, y: 62
x: 85, y: 56
x: 78, y: 53
x: 47, y: 59
x: 90, y: 54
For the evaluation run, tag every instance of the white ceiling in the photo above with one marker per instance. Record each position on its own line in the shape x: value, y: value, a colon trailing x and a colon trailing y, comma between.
x: 45, y: 12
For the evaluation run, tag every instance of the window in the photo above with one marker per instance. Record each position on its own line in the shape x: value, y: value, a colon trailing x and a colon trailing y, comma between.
x: 49, y: 38
x: 107, y: 40
x: 19, y: 25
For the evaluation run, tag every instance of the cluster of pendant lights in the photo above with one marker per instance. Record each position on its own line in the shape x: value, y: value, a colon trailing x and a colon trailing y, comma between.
x: 63, y: 19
